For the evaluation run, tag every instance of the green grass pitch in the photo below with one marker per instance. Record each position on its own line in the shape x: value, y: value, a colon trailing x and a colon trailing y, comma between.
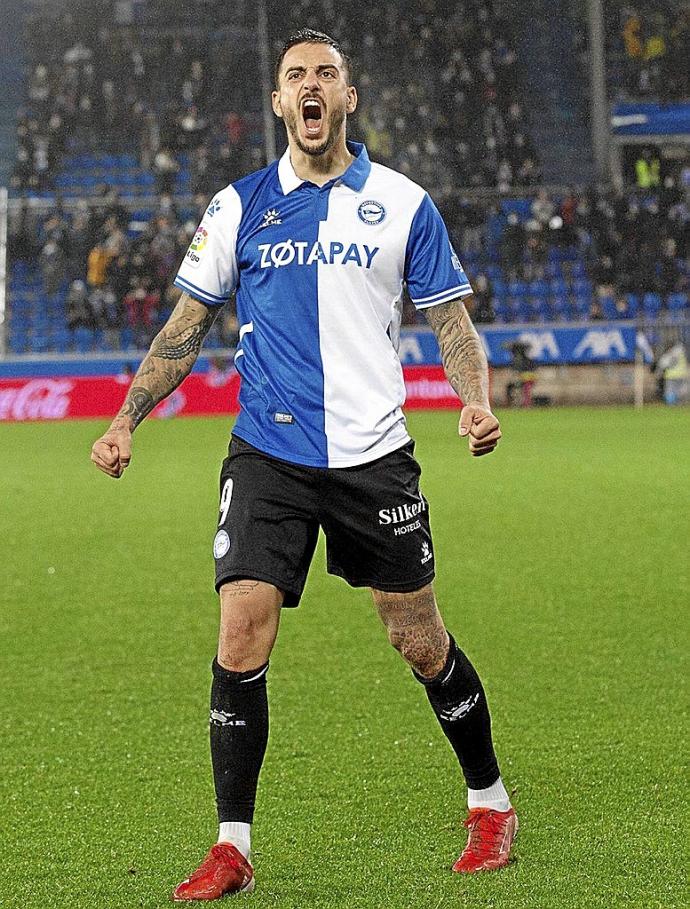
x: 562, y: 570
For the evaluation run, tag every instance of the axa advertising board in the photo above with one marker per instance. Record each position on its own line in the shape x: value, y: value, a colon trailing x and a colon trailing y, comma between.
x: 53, y: 390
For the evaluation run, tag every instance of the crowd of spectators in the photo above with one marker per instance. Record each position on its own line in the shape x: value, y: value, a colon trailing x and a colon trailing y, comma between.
x: 655, y: 37
x: 630, y: 243
x: 439, y: 83
x: 96, y: 84
x: 119, y: 270
x: 440, y: 86
x: 645, y: 48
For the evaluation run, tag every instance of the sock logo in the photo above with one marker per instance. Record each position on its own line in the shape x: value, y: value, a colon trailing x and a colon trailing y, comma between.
x: 221, y: 718
x: 451, y: 714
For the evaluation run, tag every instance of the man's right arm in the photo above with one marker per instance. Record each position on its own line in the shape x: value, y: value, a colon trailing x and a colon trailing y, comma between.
x: 172, y: 355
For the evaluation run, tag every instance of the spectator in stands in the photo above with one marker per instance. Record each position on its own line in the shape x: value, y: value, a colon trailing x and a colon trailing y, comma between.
x: 141, y: 304
x: 596, y: 312
x: 96, y: 266
x: 670, y: 275
x: 648, y: 170
x: 79, y: 313
x: 483, y: 299
x: 543, y: 209
x: 537, y: 249
x: 604, y: 276
x: 118, y: 275
x: 108, y: 314
x: 81, y: 241
x: 166, y: 169
x: 471, y: 217
x: 52, y: 263
x: 513, y: 247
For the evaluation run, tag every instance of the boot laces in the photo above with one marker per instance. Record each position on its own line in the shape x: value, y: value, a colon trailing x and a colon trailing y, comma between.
x: 485, y: 828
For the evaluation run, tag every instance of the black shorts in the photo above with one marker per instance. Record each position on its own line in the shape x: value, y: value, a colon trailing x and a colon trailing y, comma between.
x: 375, y: 519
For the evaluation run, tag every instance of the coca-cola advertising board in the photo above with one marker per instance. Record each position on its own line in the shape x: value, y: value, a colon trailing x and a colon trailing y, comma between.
x: 214, y: 392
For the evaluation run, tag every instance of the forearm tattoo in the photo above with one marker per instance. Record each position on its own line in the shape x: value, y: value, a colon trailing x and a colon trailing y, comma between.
x: 171, y: 357
x: 139, y: 403
x: 462, y: 353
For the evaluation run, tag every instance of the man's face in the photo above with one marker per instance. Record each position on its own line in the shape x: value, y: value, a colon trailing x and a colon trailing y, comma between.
x: 313, y: 97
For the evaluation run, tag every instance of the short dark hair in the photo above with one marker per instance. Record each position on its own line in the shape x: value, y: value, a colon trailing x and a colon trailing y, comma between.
x: 310, y: 36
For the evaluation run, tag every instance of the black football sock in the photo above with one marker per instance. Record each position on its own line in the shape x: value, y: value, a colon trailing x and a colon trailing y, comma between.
x: 239, y: 733
x: 458, y: 700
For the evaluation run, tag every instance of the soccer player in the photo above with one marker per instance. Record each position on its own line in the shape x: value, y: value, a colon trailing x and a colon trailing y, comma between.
x: 318, y: 247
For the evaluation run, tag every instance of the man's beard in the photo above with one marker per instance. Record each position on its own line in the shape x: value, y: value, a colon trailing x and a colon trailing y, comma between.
x: 335, y: 125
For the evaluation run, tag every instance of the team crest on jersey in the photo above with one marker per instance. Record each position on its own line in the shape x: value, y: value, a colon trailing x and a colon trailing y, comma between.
x: 270, y: 218
x: 371, y: 212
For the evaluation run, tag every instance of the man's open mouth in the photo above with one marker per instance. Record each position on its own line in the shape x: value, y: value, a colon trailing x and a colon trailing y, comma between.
x: 312, y: 114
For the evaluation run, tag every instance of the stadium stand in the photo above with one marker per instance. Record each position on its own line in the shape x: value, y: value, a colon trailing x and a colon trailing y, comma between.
x: 646, y: 48
x: 102, y: 282
x: 121, y: 111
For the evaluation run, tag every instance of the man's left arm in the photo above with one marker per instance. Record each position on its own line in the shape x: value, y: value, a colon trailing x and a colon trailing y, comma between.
x: 467, y: 370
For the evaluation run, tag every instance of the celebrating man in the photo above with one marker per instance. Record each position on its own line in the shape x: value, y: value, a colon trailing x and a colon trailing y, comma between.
x: 318, y: 247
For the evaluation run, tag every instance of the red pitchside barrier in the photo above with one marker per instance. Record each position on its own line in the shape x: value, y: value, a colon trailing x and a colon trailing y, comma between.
x: 71, y: 397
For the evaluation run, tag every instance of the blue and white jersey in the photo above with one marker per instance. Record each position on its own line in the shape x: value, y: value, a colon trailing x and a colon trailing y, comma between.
x: 319, y: 273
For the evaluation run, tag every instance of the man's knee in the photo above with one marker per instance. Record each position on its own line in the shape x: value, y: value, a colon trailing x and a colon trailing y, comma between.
x: 249, y: 616
x: 415, y: 628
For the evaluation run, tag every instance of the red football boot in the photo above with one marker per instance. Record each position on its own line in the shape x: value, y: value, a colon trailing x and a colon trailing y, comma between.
x: 491, y: 836
x: 224, y: 870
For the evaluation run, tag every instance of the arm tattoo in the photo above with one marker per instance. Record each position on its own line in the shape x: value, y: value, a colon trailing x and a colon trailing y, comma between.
x: 139, y: 404
x: 462, y: 353
x: 171, y: 358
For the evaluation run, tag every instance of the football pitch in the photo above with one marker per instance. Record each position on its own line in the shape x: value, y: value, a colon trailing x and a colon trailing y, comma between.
x: 562, y: 569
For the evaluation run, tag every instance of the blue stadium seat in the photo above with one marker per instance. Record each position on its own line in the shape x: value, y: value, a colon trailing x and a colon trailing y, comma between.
x: 539, y: 288
x: 580, y: 307
x: 582, y: 286
x: 518, y: 309
x: 127, y: 339
x: 677, y: 303
x: 651, y: 305
x: 521, y: 207
x: 539, y: 309
x: 518, y: 288
x: 500, y: 310
x: 83, y: 340
x: 62, y: 339
x: 560, y: 309
x: 633, y: 305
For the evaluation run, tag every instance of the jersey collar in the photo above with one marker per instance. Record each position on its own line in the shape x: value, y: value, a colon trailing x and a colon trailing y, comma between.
x: 355, y: 176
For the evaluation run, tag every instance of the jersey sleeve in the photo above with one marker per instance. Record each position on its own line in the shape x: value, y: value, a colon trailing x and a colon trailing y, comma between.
x: 209, y: 269
x: 433, y: 272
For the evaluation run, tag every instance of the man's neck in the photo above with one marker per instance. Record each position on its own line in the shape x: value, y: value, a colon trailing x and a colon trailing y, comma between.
x: 319, y: 169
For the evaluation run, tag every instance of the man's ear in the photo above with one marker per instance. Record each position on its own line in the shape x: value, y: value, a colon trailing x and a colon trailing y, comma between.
x: 351, y: 105
x: 275, y: 104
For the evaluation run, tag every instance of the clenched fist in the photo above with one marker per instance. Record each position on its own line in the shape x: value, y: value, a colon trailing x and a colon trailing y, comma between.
x: 481, y: 426
x: 113, y: 451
